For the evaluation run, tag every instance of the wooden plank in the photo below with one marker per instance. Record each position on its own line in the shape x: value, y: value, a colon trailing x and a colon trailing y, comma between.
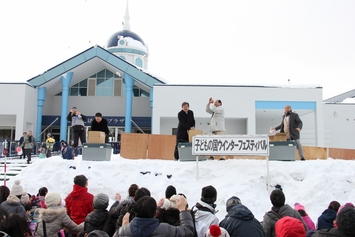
x: 345, y: 154
x: 134, y: 145
x: 313, y: 153
x: 161, y: 146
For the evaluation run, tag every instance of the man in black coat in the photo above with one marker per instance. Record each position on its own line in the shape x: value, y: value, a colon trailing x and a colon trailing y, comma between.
x: 100, y: 124
x: 291, y: 124
x: 186, y: 122
x: 240, y: 221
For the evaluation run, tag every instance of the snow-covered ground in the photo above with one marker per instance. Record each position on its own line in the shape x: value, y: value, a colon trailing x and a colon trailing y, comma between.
x: 313, y: 183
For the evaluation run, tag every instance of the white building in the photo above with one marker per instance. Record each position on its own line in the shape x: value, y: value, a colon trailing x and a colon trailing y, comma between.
x: 115, y: 81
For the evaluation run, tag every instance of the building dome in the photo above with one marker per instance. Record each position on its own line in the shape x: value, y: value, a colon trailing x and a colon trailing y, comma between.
x: 114, y: 42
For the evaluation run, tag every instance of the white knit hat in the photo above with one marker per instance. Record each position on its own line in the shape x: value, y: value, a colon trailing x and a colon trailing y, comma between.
x: 17, y: 189
x: 166, y: 204
x: 52, y: 199
x: 24, y: 198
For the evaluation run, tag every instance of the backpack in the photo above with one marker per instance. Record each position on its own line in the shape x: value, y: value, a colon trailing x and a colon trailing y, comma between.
x: 67, y: 153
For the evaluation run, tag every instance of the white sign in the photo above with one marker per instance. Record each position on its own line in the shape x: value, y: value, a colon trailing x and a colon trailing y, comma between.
x: 252, y: 145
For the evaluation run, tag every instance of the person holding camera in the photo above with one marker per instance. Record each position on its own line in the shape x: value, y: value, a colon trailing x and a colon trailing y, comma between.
x: 217, y: 127
x: 77, y: 120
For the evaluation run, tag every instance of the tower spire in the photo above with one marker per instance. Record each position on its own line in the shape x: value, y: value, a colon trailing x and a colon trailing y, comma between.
x: 126, y: 25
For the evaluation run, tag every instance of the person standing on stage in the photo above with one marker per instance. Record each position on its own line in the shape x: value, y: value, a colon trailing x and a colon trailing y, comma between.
x: 217, y: 126
x: 291, y: 124
x: 100, y: 124
x: 77, y: 120
x: 186, y: 122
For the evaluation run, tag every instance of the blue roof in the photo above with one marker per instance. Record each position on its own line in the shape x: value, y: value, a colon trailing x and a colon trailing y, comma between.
x: 90, y: 54
x: 112, y: 41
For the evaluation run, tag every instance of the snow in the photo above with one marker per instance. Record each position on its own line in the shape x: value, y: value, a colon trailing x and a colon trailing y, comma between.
x: 313, y: 183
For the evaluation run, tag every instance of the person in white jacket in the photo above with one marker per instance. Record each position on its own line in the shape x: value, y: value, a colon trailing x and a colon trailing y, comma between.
x: 217, y: 126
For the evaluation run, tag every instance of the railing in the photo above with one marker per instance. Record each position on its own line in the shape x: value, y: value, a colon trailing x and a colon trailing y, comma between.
x: 11, y: 147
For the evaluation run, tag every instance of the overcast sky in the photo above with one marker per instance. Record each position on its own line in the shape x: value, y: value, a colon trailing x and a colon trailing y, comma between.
x: 310, y: 42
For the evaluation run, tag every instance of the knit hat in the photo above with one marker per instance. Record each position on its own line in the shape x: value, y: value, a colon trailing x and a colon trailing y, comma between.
x: 298, y: 206
x: 166, y: 204
x: 231, y: 202
x: 209, y: 194
x: 345, y: 220
x: 80, y: 180
x: 52, y: 199
x: 101, y: 201
x: 216, y: 231
x: 17, y: 188
x: 277, y: 198
x: 98, y: 233
x: 48, y: 134
x: 348, y: 204
x: 289, y: 227
x: 173, y: 200
x: 25, y: 198
x: 170, y: 191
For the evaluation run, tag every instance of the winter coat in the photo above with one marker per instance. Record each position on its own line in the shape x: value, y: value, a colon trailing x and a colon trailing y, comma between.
x: 102, y: 126
x: 325, y: 220
x: 150, y: 227
x: 127, y: 206
x: 332, y: 232
x: 56, y: 219
x: 13, y: 205
x: 28, y: 142
x: 270, y: 218
x: 95, y: 220
x: 77, y: 121
x: 240, y: 222
x: 217, y: 119
x: 79, y: 203
x: 170, y: 216
x: 49, y: 143
x: 186, y: 121
x: 309, y: 222
x: 294, y: 122
x: 204, y: 216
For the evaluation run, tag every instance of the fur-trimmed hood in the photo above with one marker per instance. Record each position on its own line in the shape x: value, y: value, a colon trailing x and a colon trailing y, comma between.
x: 12, y: 199
x: 50, y: 214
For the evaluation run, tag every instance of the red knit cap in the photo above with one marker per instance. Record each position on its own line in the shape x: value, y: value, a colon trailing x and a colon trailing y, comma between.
x: 289, y: 227
x: 215, y: 231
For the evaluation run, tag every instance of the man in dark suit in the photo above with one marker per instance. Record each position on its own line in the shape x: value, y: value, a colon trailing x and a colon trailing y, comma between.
x: 291, y: 124
x: 100, y: 124
x: 186, y: 122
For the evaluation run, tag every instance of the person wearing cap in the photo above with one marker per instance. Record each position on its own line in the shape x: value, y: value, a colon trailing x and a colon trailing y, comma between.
x: 49, y: 144
x: 344, y: 224
x: 306, y: 218
x: 145, y: 225
x: 278, y: 210
x: 203, y: 212
x: 240, y: 221
x: 217, y: 124
x: 100, y: 124
x: 79, y: 202
x: 96, y: 219
x: 77, y: 120
x: 55, y: 218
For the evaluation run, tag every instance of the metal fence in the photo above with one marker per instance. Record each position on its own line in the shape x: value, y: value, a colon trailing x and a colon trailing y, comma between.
x: 11, y: 147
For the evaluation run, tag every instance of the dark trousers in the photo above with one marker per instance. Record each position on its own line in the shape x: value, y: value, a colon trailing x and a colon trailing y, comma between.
x: 27, y: 152
x: 79, y: 134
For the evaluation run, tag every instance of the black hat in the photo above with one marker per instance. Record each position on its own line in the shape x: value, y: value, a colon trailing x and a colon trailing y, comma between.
x: 209, y: 194
x: 345, y: 220
x: 277, y: 198
x: 80, y: 180
x: 170, y: 191
x: 232, y: 202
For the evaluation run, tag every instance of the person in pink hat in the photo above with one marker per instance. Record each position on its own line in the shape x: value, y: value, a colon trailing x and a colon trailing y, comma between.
x: 300, y: 208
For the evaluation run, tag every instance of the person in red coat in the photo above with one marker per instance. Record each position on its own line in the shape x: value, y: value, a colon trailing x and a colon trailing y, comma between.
x: 79, y: 202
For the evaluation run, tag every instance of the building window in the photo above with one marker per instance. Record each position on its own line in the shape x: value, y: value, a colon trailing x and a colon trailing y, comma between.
x: 139, y: 62
x: 79, y: 89
x: 104, y: 83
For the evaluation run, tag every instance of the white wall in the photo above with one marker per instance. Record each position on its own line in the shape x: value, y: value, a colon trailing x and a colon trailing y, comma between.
x: 238, y: 104
x: 20, y: 102
x: 339, y: 122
